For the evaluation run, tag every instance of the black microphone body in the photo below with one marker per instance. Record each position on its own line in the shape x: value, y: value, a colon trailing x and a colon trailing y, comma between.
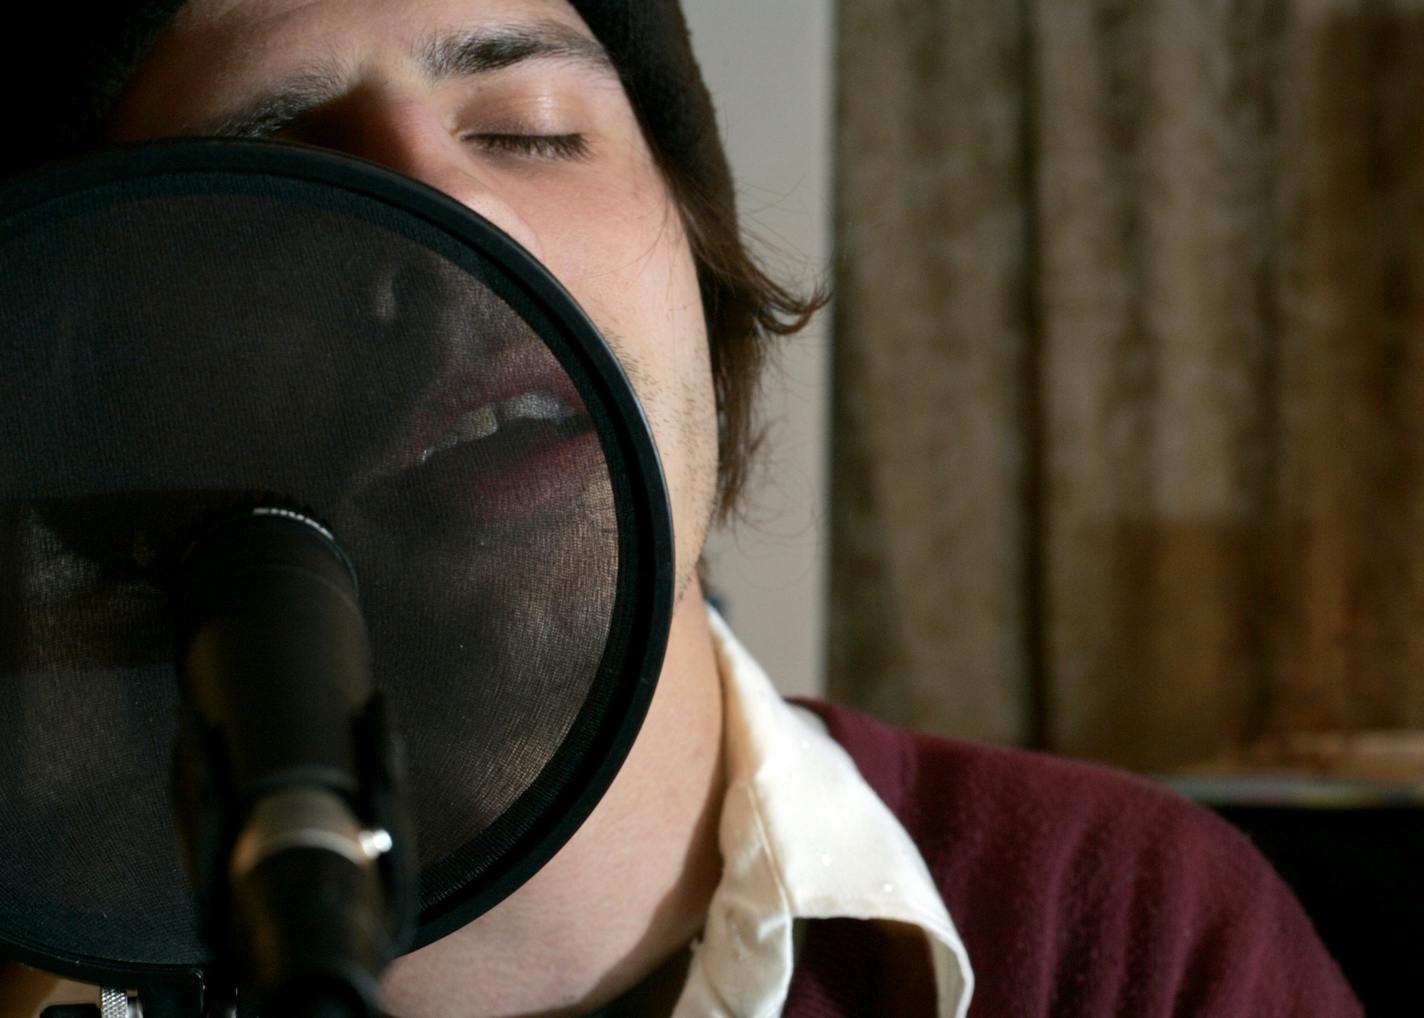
x: 284, y: 770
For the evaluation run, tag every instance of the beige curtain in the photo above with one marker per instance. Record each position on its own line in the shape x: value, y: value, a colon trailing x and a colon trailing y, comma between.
x: 1129, y: 427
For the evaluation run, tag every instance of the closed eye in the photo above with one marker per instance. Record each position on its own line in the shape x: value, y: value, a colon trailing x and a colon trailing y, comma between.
x: 539, y: 146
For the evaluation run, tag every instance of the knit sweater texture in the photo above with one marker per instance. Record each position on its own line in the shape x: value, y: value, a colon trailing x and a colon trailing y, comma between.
x: 1079, y: 891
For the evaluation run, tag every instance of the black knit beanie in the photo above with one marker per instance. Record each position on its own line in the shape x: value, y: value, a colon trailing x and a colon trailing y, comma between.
x: 59, y: 101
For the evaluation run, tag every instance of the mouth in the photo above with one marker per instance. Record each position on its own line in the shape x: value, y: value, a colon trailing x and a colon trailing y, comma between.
x: 528, y: 414
x: 489, y: 453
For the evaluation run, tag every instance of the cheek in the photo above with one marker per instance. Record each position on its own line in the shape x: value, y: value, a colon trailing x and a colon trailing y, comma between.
x: 623, y: 254
x: 632, y: 271
x: 621, y: 250
x: 646, y: 299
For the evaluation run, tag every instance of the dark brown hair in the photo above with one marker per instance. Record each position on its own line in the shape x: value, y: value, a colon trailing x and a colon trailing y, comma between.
x: 746, y: 311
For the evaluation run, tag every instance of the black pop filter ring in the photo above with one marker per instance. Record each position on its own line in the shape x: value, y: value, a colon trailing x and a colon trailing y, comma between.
x: 556, y: 804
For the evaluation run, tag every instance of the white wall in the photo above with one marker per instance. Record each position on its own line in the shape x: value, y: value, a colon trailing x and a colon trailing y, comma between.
x: 768, y: 64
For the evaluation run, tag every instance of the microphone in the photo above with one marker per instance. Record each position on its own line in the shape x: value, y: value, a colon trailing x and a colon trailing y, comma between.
x: 285, y: 771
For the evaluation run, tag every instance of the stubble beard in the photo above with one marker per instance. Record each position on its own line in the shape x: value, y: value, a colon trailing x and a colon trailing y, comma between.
x: 684, y: 424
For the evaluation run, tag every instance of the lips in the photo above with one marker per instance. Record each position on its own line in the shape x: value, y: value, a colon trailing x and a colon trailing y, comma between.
x: 493, y: 443
x: 531, y: 408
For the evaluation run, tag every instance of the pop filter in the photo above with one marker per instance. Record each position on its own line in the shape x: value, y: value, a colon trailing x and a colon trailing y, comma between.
x: 187, y: 323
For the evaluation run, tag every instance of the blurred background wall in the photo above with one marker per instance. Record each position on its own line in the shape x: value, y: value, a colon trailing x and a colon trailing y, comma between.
x: 1128, y: 442
x: 769, y: 66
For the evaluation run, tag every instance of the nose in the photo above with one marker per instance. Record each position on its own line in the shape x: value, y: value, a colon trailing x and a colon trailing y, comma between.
x: 409, y: 135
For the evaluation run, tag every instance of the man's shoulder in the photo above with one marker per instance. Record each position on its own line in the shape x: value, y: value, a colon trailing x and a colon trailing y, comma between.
x: 958, y: 789
x: 1080, y: 889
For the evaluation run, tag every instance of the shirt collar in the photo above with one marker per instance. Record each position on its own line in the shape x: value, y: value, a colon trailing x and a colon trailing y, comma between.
x: 802, y: 837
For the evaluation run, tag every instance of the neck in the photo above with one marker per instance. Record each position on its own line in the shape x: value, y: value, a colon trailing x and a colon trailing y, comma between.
x: 627, y: 892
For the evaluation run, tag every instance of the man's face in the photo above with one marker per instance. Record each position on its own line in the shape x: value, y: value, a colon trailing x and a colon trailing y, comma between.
x: 510, y: 107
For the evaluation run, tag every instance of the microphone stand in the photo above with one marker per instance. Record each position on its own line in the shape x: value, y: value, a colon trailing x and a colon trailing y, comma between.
x: 285, y: 772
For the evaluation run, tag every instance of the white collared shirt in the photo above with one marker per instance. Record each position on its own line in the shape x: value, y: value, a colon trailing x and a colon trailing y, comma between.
x: 802, y: 837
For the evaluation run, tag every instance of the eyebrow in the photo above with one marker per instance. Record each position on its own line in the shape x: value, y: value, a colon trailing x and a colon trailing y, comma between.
x: 442, y: 58
x: 491, y: 49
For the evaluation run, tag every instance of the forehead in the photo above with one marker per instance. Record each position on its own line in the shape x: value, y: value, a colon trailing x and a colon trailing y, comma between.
x: 342, y: 19
x: 216, y: 51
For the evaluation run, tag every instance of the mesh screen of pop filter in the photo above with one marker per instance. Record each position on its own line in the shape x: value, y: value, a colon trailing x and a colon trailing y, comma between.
x: 187, y: 323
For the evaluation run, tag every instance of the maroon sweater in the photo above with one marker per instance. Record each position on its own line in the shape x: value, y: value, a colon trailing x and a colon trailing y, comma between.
x: 1080, y: 892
